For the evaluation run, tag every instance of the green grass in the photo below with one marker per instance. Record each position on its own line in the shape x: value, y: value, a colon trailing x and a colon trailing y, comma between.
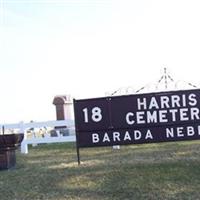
x: 151, y: 171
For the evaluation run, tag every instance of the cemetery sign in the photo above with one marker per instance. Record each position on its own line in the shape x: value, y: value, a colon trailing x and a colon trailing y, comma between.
x: 138, y: 118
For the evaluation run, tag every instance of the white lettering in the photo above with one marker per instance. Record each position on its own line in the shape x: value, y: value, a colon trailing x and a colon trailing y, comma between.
x: 152, y: 117
x: 175, y: 101
x: 183, y: 114
x: 140, y: 117
x: 95, y: 138
x: 153, y: 103
x: 184, y: 100
x: 116, y: 136
x: 180, y: 132
x: 137, y: 135
x: 148, y: 135
x: 169, y: 132
x: 173, y: 111
x: 142, y: 103
x: 128, y: 120
x: 162, y: 116
x: 190, y: 131
x: 106, y: 138
x: 127, y: 136
x: 164, y: 102
x: 194, y: 113
x: 192, y: 98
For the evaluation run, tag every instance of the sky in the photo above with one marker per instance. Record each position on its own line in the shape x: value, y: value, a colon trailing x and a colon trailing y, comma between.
x: 88, y: 48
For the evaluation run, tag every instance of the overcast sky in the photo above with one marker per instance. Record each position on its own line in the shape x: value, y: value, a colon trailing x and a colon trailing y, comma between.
x: 89, y: 47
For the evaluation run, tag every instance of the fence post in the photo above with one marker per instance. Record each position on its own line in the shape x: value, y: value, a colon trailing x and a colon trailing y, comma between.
x: 24, y: 146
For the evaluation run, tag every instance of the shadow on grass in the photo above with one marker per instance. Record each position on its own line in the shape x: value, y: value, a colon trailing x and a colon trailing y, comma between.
x: 51, y: 172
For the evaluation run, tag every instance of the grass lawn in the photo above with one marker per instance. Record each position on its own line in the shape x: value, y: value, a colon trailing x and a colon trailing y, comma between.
x: 150, y: 171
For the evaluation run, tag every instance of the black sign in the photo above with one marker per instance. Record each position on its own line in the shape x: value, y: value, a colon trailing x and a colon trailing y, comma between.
x: 136, y: 119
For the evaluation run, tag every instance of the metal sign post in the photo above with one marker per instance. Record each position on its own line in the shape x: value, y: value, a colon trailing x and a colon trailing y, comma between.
x: 77, y: 136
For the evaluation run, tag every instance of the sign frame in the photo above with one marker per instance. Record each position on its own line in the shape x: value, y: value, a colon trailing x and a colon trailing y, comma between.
x: 177, y: 109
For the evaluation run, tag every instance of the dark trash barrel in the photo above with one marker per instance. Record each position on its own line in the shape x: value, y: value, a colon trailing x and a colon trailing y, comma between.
x: 7, y: 158
x: 8, y: 145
